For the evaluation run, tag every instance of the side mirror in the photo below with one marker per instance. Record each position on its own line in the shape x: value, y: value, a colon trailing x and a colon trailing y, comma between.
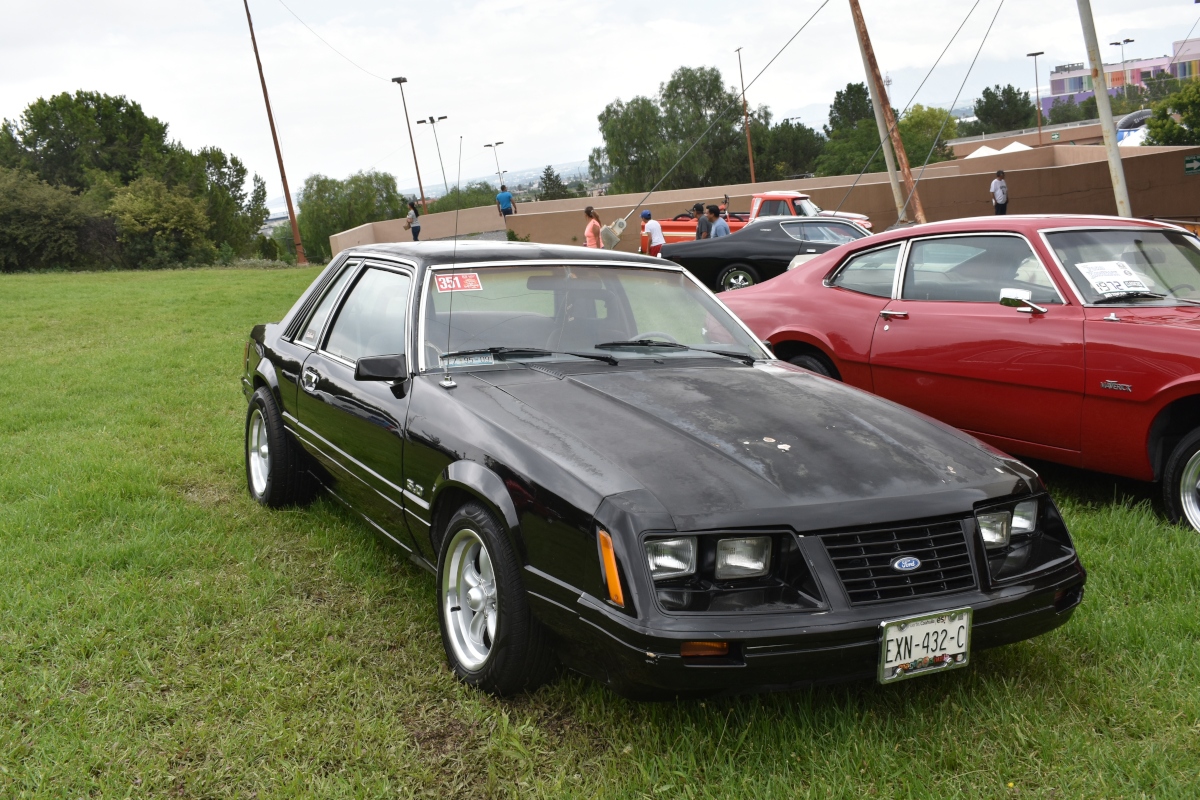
x: 381, y: 368
x: 1020, y: 300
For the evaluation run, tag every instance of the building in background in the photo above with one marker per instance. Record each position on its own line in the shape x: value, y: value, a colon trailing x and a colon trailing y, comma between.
x: 1075, y: 80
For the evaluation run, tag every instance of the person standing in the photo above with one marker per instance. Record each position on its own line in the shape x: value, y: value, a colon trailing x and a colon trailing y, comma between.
x: 719, y: 226
x: 591, y: 234
x: 703, y: 226
x: 414, y: 221
x: 504, y: 202
x: 999, y: 190
x: 654, y: 234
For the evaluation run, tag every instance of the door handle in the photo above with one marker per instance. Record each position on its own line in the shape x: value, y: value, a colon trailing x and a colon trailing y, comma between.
x: 893, y: 314
x: 308, y: 381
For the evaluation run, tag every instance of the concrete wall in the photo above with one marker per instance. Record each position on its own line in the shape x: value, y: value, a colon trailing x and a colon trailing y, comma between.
x: 1062, y: 179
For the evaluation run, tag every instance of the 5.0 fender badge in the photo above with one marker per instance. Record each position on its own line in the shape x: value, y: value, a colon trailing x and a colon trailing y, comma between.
x: 905, y: 563
x: 1115, y: 386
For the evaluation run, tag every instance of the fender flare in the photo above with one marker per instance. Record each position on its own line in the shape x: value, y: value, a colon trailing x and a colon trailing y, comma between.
x: 810, y: 338
x: 486, y: 486
x: 266, y: 371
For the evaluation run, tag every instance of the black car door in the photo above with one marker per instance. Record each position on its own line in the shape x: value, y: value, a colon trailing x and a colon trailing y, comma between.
x: 815, y: 237
x: 356, y: 428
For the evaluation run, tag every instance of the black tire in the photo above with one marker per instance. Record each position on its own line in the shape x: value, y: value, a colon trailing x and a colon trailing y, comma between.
x: 519, y: 656
x: 736, y: 276
x: 813, y: 364
x: 284, y: 478
x: 1181, y: 482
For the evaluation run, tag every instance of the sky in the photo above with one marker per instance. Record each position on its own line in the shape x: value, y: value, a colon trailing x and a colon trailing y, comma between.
x: 533, y: 75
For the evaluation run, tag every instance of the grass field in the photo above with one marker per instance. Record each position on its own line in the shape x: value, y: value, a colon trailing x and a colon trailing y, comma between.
x: 161, y: 635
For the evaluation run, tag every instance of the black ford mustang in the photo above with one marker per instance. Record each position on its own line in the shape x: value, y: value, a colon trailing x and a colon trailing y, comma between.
x: 604, y: 468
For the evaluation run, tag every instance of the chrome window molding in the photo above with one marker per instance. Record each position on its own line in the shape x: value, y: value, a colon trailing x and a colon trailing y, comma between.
x: 400, y: 267
x: 1156, y: 226
x: 901, y: 252
x: 897, y: 293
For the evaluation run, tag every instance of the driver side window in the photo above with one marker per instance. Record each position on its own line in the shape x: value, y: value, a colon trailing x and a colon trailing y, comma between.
x: 372, y: 320
x: 870, y: 273
x: 976, y: 269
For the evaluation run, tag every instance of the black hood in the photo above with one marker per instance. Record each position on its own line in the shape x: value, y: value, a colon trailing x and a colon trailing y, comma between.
x: 725, y: 445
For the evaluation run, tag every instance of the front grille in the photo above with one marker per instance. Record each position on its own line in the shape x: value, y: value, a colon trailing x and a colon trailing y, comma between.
x: 864, y: 562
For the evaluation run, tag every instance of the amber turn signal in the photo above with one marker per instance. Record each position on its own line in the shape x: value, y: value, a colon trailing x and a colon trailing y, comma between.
x: 704, y: 649
x: 611, y: 577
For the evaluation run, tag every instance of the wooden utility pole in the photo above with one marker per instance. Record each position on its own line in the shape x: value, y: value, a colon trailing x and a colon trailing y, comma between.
x: 1116, y: 170
x: 287, y: 194
x: 889, y: 160
x: 745, y: 115
x: 889, y: 117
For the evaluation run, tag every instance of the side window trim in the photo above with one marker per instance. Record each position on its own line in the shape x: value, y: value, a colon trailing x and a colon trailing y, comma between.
x: 901, y: 255
x: 902, y: 273
x: 298, y: 338
x: 404, y: 269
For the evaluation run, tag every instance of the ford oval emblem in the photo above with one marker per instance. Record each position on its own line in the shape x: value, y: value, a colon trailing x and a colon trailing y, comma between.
x: 906, y: 563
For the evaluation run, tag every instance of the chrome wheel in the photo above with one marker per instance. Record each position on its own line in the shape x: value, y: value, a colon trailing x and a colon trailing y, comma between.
x: 469, y: 595
x: 737, y: 279
x: 258, y: 452
x: 1189, y: 490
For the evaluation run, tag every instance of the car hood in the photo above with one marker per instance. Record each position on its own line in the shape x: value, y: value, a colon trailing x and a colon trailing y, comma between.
x: 739, y: 446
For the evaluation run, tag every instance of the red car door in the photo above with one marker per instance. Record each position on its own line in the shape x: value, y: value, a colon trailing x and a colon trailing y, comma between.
x: 948, y: 348
x: 864, y: 285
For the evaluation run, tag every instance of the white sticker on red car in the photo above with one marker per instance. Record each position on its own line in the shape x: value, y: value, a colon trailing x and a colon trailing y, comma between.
x: 464, y: 282
x: 1112, y: 277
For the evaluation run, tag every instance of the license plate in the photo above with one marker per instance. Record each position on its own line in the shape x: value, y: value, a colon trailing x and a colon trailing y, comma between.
x: 923, y: 645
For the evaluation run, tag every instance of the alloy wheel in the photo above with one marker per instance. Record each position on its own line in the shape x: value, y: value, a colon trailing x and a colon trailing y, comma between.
x: 1189, y: 490
x: 258, y: 452
x: 469, y: 595
x: 737, y: 279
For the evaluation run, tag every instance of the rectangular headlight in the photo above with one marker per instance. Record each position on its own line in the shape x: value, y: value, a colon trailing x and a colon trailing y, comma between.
x: 1025, y: 517
x: 996, y: 527
x: 743, y: 558
x: 671, y: 558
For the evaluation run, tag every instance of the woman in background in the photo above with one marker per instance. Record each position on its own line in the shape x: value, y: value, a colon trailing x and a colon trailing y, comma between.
x: 414, y: 221
x: 591, y: 234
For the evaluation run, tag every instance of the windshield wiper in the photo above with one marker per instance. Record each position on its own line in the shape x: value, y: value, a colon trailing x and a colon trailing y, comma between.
x: 1108, y: 298
x: 743, y: 357
x: 533, y: 351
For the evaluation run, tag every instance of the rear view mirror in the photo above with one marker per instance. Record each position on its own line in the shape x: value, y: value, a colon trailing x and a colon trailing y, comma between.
x: 1020, y: 299
x: 381, y: 368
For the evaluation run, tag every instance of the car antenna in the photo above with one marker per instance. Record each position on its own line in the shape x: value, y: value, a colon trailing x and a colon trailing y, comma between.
x: 447, y: 381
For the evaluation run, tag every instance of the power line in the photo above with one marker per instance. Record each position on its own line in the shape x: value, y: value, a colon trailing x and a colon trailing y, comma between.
x: 1189, y: 35
x: 331, y: 47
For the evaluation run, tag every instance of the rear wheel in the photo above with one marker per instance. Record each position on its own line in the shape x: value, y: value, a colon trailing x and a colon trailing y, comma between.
x: 813, y: 364
x: 1181, y: 482
x: 276, y: 471
x: 737, y: 276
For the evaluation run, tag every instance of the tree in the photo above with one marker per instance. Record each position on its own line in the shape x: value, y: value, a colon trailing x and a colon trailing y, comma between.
x: 784, y: 150
x: 553, y: 187
x: 473, y: 195
x: 853, y: 134
x: 1065, y: 110
x: 329, y: 206
x: 159, y: 226
x: 1163, y: 127
x: 849, y: 106
x: 1004, y: 108
x: 40, y: 224
x: 923, y: 129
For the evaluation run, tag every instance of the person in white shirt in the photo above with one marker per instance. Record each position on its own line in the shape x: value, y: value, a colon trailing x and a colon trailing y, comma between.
x: 653, y: 232
x: 999, y: 190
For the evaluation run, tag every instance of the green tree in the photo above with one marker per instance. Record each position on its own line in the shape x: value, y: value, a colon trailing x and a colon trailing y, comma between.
x: 924, y: 128
x: 1004, y: 108
x: 633, y: 133
x: 40, y: 224
x: 553, y: 187
x: 785, y: 150
x: 1163, y: 127
x: 848, y: 149
x: 473, y: 195
x: 329, y: 206
x: 1065, y: 110
x: 159, y: 226
x: 850, y: 105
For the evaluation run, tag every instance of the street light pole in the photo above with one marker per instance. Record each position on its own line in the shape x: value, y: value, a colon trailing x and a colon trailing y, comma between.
x: 287, y: 195
x: 496, y: 152
x: 1124, y: 73
x: 1037, y: 91
x: 433, y: 124
x: 1116, y: 170
x: 745, y: 115
x: 402, y: 81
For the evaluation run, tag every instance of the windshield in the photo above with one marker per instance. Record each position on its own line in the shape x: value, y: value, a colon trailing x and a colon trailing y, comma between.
x: 565, y: 311
x: 806, y: 207
x: 1135, y: 264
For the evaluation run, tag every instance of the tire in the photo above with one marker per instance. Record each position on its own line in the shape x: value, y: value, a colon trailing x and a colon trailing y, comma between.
x: 1181, y: 482
x: 276, y: 466
x: 813, y: 364
x: 736, y: 276
x: 491, y: 638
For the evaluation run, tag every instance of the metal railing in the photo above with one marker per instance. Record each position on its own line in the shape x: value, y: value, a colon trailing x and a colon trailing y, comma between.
x: 1005, y: 134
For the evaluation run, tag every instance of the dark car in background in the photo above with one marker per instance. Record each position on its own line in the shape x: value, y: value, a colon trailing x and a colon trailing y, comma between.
x: 604, y: 467
x: 764, y: 248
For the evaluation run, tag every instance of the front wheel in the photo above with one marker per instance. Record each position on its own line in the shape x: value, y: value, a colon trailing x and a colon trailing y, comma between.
x: 491, y: 638
x: 737, y: 276
x: 1181, y: 482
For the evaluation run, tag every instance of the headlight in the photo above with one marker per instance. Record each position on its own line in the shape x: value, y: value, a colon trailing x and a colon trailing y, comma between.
x: 743, y: 558
x: 1025, y: 517
x: 671, y: 558
x: 998, y: 527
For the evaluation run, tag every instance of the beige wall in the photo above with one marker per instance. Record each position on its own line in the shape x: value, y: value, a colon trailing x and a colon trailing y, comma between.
x: 1078, y: 134
x: 1063, y: 179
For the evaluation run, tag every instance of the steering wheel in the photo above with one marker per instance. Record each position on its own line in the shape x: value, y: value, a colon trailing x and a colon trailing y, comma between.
x: 1188, y: 286
x: 658, y: 334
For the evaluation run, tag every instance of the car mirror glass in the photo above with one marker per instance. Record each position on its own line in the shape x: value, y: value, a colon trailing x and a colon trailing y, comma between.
x: 1015, y: 298
x: 381, y: 368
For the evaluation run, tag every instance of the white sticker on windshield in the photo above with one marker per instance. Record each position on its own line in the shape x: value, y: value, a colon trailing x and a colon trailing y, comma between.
x: 464, y: 282
x: 477, y: 360
x: 1112, y: 277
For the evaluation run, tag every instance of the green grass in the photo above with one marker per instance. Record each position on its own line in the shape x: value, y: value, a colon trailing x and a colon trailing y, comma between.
x: 161, y: 635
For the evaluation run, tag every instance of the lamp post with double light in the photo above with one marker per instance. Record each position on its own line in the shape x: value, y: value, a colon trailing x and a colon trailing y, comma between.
x: 1124, y: 74
x: 1037, y: 91
x: 432, y: 122
x: 420, y: 188
x: 496, y: 152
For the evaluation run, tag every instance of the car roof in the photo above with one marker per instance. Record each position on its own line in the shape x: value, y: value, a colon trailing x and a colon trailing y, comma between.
x: 438, y: 253
x: 1028, y: 224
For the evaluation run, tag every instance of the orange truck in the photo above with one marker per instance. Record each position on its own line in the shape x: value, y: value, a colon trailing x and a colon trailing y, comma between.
x: 682, y: 227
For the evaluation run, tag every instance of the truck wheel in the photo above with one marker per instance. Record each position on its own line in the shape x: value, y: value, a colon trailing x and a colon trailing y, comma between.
x: 1181, y: 482
x: 276, y: 467
x: 736, y: 276
x: 492, y: 640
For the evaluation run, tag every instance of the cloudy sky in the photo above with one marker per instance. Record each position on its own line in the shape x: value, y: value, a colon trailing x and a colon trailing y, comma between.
x: 532, y: 74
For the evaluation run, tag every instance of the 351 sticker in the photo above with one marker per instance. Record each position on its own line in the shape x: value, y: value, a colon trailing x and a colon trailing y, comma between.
x: 464, y: 282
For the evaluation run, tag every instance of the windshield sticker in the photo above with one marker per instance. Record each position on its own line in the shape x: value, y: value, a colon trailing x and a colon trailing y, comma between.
x: 477, y: 360
x: 1112, y: 277
x: 465, y: 282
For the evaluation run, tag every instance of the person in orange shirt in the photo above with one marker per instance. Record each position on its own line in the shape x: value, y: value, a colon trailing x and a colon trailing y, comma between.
x: 591, y: 234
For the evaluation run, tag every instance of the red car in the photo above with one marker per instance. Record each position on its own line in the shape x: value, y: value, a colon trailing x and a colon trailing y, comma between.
x: 1069, y: 339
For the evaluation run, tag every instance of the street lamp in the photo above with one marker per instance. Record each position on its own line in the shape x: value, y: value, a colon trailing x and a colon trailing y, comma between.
x: 433, y: 124
x: 496, y: 152
x: 1124, y: 74
x: 1037, y: 91
x: 401, y: 82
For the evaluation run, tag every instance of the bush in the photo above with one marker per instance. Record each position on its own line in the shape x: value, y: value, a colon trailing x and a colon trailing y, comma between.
x: 41, y: 226
x: 473, y: 195
x: 160, y: 227
x: 329, y: 206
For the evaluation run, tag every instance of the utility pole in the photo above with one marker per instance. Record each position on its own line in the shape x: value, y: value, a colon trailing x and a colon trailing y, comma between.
x: 420, y: 188
x: 287, y: 194
x: 1037, y: 91
x: 1116, y: 170
x: 745, y: 115
x: 884, y: 140
x: 433, y: 124
x: 889, y: 118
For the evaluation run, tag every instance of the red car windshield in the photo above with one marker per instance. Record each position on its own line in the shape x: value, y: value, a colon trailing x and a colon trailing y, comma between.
x: 1130, y: 264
